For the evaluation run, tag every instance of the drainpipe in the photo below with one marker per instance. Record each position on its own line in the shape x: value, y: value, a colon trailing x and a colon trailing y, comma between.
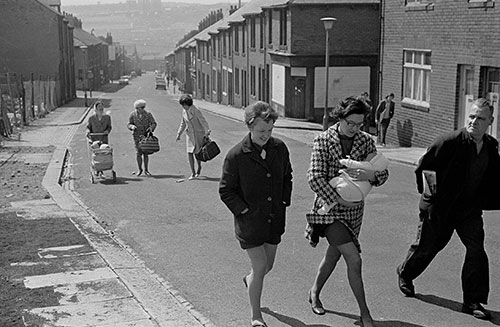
x: 381, y: 49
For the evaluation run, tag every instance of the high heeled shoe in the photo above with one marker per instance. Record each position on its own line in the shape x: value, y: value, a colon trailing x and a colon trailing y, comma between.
x: 316, y: 308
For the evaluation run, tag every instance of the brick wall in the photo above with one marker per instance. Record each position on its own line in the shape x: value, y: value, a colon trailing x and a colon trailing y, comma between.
x: 356, y: 29
x: 30, y: 31
x: 456, y: 35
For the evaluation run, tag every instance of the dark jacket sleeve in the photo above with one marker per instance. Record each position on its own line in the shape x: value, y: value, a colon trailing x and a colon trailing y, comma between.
x: 287, y: 178
x: 229, y: 185
x: 380, y: 109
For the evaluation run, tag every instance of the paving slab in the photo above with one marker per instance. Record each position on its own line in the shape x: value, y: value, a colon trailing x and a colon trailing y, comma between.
x: 51, y: 266
x: 114, y: 312
x: 68, y: 277
x: 93, y: 291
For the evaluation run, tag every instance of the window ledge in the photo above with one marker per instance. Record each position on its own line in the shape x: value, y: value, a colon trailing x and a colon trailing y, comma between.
x: 412, y: 104
x: 481, y: 4
x: 420, y: 7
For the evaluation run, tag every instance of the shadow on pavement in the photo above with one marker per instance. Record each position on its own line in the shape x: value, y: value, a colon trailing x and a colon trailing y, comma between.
x: 453, y: 305
x: 294, y: 322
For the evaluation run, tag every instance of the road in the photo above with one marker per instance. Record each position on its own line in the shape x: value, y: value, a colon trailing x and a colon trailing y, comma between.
x: 184, y: 233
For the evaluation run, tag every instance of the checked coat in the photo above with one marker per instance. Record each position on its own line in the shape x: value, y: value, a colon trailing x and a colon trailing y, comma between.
x: 325, y: 165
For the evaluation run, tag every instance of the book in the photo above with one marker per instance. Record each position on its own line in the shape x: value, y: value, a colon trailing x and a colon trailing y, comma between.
x: 430, y: 182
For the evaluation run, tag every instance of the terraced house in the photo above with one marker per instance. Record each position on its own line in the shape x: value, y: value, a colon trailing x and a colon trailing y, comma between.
x: 437, y: 57
x: 274, y: 50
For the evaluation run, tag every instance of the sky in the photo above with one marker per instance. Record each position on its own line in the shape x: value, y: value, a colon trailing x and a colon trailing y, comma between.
x: 93, y: 2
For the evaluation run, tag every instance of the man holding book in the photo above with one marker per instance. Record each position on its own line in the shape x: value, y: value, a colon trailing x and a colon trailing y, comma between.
x: 457, y: 178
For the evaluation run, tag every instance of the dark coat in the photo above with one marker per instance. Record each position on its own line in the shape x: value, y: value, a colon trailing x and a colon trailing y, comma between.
x: 448, y: 156
x: 381, y: 107
x: 262, y: 186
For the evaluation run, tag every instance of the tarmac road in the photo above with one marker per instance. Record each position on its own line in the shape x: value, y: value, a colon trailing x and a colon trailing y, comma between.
x: 184, y: 233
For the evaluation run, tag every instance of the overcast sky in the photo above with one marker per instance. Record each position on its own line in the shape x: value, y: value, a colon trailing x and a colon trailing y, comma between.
x: 92, y: 2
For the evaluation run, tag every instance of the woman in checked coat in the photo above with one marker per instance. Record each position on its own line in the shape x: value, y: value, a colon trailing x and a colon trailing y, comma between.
x: 341, y: 225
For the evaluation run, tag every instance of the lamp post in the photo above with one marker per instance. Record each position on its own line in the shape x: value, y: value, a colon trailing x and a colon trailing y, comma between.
x: 328, y: 23
x: 84, y: 50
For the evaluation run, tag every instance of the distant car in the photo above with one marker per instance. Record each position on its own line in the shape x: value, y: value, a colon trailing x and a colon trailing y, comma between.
x: 160, y: 84
x: 124, y: 80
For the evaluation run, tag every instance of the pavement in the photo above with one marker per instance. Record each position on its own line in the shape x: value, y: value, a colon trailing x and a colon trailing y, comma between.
x: 104, y: 283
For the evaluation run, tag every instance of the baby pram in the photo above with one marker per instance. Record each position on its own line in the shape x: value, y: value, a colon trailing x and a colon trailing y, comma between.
x: 101, y: 158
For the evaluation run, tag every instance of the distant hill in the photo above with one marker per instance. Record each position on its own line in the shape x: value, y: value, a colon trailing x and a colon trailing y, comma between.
x: 154, y: 30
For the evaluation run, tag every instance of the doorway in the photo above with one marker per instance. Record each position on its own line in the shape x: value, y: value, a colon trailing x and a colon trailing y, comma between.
x: 466, y: 95
x: 298, y: 98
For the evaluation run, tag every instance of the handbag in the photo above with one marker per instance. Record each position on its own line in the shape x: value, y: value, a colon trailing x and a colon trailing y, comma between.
x: 208, y: 150
x: 149, y: 144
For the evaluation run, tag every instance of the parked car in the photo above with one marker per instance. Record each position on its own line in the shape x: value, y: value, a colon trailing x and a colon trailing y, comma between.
x: 124, y: 80
x: 160, y: 84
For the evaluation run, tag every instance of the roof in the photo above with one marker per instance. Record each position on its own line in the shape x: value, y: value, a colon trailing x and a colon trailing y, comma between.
x: 81, y: 37
x: 255, y: 7
x: 318, y: 2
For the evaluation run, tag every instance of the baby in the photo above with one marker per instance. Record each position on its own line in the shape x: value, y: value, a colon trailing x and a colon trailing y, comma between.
x: 353, y: 190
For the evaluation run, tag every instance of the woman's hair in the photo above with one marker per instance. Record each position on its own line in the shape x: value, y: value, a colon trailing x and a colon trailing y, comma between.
x: 350, y: 106
x: 139, y: 103
x: 262, y: 110
x: 98, y: 102
x: 186, y: 100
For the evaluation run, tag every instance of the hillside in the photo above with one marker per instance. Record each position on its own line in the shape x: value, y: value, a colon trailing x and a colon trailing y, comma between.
x: 154, y: 31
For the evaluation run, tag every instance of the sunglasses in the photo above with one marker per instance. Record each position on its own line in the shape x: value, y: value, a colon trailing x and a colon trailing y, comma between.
x: 141, y: 107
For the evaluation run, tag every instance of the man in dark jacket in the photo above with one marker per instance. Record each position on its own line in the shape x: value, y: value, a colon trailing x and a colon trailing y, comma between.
x: 466, y: 165
x: 383, y: 116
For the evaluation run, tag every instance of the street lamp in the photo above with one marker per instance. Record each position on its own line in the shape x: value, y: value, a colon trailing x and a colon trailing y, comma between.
x: 84, y: 49
x: 328, y: 23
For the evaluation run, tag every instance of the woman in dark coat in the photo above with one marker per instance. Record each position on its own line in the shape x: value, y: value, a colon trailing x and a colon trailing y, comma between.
x: 256, y: 186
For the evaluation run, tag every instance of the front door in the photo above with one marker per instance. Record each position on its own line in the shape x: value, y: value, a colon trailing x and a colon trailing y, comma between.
x: 466, y: 96
x: 298, y: 98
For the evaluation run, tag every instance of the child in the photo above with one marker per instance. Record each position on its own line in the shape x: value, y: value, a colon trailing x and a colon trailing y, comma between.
x: 354, y: 190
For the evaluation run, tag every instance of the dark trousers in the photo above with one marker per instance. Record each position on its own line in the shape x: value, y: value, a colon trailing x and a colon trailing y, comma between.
x: 382, y: 130
x: 432, y: 237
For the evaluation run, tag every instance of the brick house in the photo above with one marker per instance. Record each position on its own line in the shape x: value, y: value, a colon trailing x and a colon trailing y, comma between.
x: 296, y: 45
x: 437, y: 57
x: 37, y: 40
x: 274, y: 50
x: 91, y: 60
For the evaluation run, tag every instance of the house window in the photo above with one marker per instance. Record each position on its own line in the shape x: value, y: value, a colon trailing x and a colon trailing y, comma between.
x: 224, y: 80
x: 224, y: 44
x: 243, y: 40
x: 208, y: 84
x: 214, y: 48
x: 214, y: 79
x: 261, y: 31
x: 270, y: 27
x: 283, y: 26
x: 236, y: 38
x: 252, y: 32
x: 416, y: 77
x: 237, y: 81
x: 252, y: 80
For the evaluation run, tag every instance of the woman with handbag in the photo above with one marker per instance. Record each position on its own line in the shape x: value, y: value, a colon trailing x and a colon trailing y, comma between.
x: 197, y: 130
x: 256, y: 186
x: 141, y: 123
